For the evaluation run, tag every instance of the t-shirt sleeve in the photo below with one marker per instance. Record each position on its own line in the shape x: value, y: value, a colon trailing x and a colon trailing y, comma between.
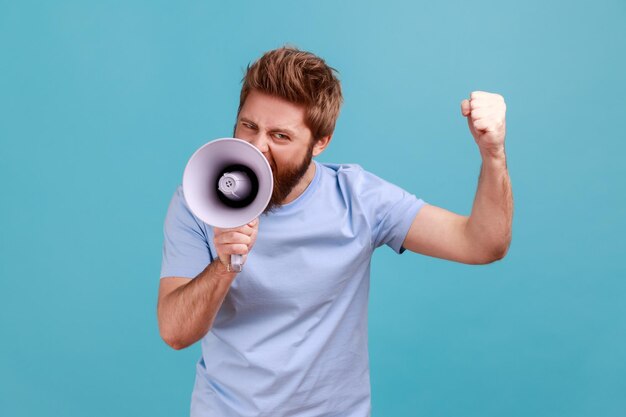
x: 186, y: 248
x: 391, y: 209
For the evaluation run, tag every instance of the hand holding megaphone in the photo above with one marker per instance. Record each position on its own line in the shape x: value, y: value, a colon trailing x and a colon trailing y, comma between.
x: 238, y: 241
x: 227, y: 184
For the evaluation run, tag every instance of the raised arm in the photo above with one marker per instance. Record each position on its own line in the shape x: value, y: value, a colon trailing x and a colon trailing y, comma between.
x: 485, y: 235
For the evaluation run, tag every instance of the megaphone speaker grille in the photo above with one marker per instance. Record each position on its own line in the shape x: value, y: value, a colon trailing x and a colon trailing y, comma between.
x: 247, y: 199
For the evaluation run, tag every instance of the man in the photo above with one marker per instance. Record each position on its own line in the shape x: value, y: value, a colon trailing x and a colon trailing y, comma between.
x: 288, y: 335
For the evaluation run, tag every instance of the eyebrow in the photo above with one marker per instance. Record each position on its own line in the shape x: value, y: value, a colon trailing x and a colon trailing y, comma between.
x: 272, y: 129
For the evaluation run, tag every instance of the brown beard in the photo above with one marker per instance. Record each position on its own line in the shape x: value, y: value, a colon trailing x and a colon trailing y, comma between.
x: 286, y: 178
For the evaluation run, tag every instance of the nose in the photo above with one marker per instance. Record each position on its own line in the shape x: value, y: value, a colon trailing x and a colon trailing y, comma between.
x: 260, y: 142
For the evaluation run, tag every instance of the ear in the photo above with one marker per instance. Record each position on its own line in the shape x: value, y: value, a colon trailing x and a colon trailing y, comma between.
x: 321, y: 144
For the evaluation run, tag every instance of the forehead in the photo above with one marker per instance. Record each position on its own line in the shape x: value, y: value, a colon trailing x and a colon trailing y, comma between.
x: 269, y: 111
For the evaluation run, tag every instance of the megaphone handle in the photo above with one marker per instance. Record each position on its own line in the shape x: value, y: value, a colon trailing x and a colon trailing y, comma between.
x: 236, y: 263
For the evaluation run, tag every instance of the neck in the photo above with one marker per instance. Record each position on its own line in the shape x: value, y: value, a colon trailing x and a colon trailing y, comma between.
x: 302, y: 184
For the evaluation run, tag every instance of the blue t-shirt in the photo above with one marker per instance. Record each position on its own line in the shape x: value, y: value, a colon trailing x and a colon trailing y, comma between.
x: 290, y: 338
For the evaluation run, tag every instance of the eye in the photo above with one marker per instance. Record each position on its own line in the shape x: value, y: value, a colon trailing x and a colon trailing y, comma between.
x: 247, y: 125
x: 281, y: 136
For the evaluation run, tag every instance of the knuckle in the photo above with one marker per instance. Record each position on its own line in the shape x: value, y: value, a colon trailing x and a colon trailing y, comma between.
x: 235, y: 249
x: 235, y: 237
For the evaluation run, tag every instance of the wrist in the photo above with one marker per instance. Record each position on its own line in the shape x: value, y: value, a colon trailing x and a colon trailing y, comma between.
x: 494, y: 155
x: 223, y: 269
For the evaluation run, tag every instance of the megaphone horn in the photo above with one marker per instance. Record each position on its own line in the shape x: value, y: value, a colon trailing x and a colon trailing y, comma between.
x: 228, y: 183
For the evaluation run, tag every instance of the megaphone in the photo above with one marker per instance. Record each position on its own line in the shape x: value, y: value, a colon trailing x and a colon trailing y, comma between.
x: 228, y: 183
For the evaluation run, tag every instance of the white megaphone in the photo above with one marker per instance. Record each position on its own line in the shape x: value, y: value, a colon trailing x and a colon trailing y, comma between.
x: 228, y: 183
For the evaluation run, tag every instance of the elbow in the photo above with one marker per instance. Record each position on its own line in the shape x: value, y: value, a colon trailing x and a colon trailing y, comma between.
x: 505, y: 250
x: 176, y: 339
x: 174, y: 345
x: 499, y: 252
x: 168, y: 333
x: 172, y: 341
x: 170, y: 337
x: 493, y: 254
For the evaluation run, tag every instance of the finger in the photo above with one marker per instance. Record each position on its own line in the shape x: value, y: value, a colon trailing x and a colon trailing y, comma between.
x: 232, y: 237
x: 253, y: 237
x: 220, y: 231
x: 484, y: 104
x: 233, y: 249
x: 245, y: 229
x: 482, y: 124
x: 479, y: 94
x: 485, y: 95
x: 249, y: 227
x: 477, y: 103
x: 465, y: 108
x: 483, y: 98
x: 481, y: 113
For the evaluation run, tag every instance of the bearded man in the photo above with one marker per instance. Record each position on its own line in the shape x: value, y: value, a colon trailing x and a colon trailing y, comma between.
x: 287, y: 336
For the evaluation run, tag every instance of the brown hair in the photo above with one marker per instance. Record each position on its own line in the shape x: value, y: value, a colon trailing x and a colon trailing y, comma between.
x: 299, y: 77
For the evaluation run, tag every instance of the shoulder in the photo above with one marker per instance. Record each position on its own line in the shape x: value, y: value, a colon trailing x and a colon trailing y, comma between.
x: 358, y: 187
x: 178, y: 196
x: 180, y: 213
x: 339, y: 169
x: 180, y: 202
x: 177, y: 202
x: 355, y: 178
x: 346, y: 173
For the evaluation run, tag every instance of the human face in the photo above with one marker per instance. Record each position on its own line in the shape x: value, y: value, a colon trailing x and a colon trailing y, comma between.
x: 276, y: 127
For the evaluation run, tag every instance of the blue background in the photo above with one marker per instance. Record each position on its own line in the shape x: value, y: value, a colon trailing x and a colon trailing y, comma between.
x: 102, y: 103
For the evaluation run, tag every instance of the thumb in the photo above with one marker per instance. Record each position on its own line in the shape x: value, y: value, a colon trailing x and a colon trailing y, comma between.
x: 465, y: 108
x: 475, y: 133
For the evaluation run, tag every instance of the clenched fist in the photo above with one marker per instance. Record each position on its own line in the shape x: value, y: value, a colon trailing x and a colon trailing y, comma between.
x: 485, y: 114
x: 236, y: 241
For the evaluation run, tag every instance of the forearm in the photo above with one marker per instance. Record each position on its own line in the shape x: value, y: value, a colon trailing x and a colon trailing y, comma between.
x: 489, y: 225
x: 186, y: 314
